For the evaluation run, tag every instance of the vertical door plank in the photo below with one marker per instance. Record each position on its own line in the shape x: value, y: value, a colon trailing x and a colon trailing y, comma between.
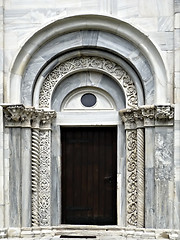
x: 89, y: 170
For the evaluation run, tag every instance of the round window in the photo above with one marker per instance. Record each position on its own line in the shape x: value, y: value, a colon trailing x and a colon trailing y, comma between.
x: 88, y: 100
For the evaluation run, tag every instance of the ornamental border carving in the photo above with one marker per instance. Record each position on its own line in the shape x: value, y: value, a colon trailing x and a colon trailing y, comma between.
x: 94, y: 63
x: 39, y: 120
x: 135, y: 119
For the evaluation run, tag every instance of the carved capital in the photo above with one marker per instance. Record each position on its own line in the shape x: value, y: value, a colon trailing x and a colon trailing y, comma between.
x: 127, y: 116
x: 17, y: 115
x: 47, y: 118
x: 13, y: 112
x: 164, y: 114
x: 148, y: 115
x: 37, y: 117
x: 145, y: 116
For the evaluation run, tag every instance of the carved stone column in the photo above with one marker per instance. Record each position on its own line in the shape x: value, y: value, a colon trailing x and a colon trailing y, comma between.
x: 35, y: 156
x: 39, y: 122
x: 135, y: 120
x: 45, y: 169
x: 131, y: 167
x: 140, y: 166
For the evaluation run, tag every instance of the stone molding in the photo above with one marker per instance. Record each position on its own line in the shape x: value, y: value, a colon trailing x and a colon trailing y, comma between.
x: 89, y: 63
x: 17, y: 115
x: 99, y: 231
x: 148, y: 116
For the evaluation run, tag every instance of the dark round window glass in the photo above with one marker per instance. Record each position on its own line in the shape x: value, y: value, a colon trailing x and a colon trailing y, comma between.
x: 88, y: 100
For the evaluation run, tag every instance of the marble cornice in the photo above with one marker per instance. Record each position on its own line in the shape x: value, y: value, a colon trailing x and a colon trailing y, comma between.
x: 147, y: 116
x: 17, y: 115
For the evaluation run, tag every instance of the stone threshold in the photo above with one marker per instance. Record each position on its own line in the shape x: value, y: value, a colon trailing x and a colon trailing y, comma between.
x: 89, y: 232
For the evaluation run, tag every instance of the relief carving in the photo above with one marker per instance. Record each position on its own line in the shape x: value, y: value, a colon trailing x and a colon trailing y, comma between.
x: 87, y: 63
x: 35, y: 177
x: 132, y: 213
x: 20, y: 116
x: 45, y: 178
x: 164, y: 113
x: 135, y: 119
x: 39, y: 121
x: 147, y: 116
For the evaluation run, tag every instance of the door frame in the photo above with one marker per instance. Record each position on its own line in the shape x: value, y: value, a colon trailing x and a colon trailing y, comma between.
x: 74, y: 120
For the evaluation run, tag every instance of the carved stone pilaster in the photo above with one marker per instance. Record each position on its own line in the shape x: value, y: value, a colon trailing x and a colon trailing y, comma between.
x: 39, y: 120
x: 135, y: 119
x: 131, y: 178
x: 41, y: 162
x: 45, y: 178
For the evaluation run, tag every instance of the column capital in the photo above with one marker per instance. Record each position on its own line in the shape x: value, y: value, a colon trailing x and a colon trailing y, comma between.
x: 18, y: 115
x: 147, y: 116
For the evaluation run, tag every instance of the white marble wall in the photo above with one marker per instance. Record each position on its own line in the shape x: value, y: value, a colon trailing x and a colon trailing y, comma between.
x: 177, y: 110
x: 159, y: 20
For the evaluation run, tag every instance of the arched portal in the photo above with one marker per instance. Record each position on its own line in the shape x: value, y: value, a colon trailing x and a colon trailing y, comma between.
x: 67, y: 59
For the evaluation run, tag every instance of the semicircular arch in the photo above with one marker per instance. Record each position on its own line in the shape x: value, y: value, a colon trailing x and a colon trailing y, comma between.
x: 21, y: 72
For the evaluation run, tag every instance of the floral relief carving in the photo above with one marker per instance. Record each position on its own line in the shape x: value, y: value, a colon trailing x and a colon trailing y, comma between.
x: 164, y: 113
x: 87, y: 63
x: 44, y: 178
x: 147, y: 116
x: 135, y: 119
x: 132, y: 213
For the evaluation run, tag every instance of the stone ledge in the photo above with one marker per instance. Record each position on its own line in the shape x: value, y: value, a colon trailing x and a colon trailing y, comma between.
x: 85, y: 232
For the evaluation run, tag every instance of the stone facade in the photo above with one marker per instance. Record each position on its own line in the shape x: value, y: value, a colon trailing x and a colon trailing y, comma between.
x: 126, y: 52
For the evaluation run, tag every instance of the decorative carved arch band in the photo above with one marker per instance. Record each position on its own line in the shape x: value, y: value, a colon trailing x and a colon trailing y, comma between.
x: 87, y: 63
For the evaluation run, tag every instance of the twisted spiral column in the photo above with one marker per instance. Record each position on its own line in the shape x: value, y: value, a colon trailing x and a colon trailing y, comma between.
x: 35, y: 177
x: 140, y: 176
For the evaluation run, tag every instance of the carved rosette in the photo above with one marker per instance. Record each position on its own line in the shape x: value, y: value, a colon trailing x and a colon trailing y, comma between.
x: 95, y: 63
x: 135, y: 119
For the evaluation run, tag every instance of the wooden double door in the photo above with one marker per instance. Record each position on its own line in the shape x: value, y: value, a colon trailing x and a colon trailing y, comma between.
x: 89, y: 175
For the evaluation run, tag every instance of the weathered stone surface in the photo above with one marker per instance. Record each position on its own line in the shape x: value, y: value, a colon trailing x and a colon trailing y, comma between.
x: 131, y: 49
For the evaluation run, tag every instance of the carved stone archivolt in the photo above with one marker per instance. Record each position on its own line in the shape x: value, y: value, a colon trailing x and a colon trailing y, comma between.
x: 94, y: 63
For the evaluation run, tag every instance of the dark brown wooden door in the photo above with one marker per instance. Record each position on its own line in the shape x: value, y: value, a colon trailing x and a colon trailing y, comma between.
x: 89, y: 171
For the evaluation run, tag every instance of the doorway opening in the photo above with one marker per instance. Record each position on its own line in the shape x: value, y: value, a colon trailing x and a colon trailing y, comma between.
x: 89, y: 175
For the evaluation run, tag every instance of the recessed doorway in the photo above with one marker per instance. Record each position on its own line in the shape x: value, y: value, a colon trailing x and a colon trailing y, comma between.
x: 89, y: 175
